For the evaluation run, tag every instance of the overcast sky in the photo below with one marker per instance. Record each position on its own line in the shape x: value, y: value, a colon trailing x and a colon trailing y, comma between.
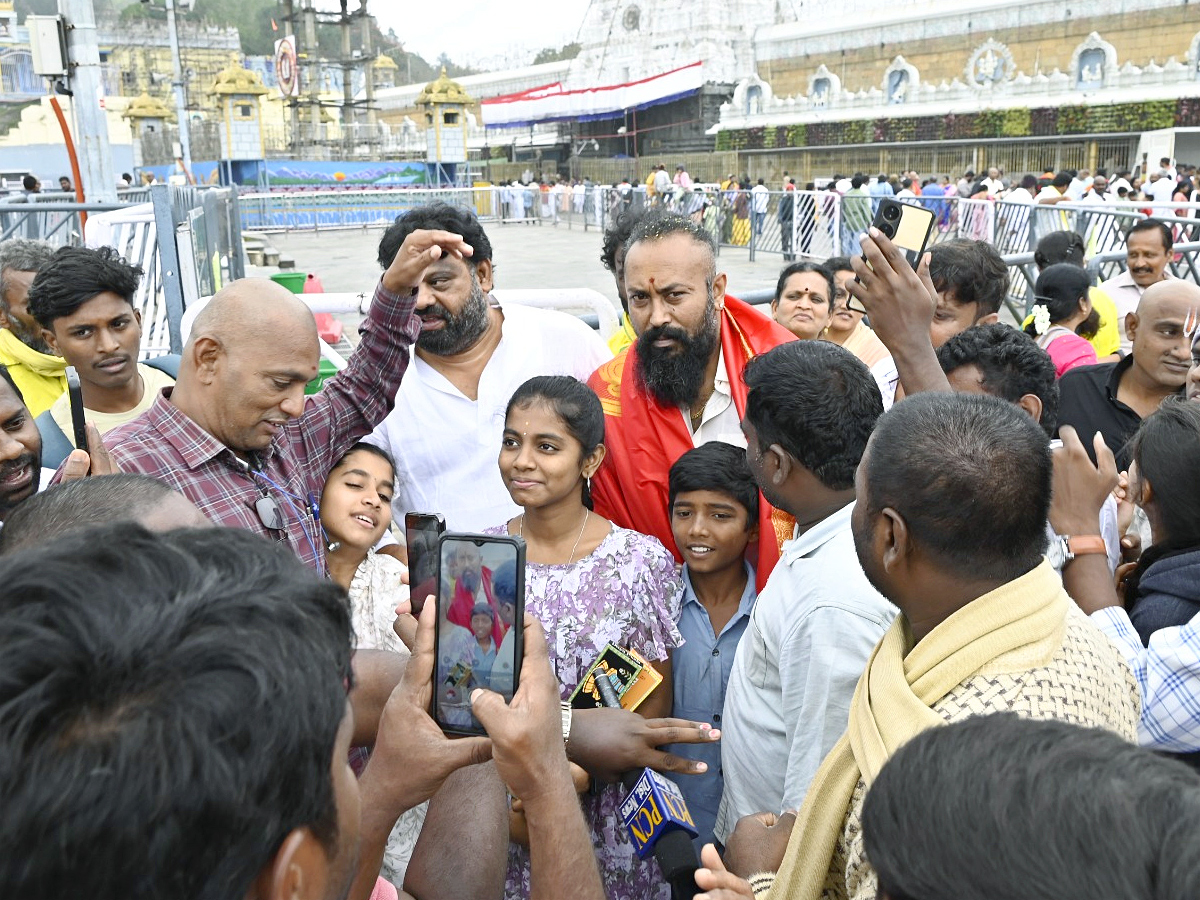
x: 473, y: 31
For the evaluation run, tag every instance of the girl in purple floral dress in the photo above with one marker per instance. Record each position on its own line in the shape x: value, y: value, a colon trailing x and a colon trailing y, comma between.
x: 590, y: 583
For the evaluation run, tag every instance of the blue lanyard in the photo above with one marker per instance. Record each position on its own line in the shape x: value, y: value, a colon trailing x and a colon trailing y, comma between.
x: 313, y: 510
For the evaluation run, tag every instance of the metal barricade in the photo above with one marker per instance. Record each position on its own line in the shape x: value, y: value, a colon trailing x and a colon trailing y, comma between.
x: 318, y: 210
x: 58, y: 223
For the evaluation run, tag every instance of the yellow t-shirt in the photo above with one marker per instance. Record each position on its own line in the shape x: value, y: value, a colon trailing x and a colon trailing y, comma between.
x: 153, y: 381
x: 1107, y: 339
x: 622, y: 337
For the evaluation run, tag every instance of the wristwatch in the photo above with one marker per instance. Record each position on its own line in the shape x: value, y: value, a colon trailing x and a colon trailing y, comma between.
x: 1064, y: 548
x: 566, y: 721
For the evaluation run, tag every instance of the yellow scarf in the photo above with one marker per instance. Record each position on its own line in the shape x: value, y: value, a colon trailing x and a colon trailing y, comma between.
x: 894, y: 699
x: 41, y: 377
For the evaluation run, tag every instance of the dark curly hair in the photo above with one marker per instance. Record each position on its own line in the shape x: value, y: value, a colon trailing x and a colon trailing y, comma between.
x: 616, y: 234
x: 74, y: 275
x: 1012, y: 365
x: 437, y: 216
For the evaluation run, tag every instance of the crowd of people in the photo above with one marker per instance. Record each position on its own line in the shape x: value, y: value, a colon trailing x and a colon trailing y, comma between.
x: 918, y: 589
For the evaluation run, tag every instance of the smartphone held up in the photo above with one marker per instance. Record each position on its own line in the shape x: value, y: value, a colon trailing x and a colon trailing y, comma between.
x: 478, y: 642
x: 75, y: 396
x: 906, y: 225
x: 421, y: 533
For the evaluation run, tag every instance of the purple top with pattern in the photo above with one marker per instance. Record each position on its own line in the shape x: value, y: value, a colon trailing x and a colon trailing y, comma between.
x: 627, y: 592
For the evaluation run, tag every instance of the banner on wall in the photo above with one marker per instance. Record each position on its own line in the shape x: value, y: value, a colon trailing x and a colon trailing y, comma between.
x: 552, y: 103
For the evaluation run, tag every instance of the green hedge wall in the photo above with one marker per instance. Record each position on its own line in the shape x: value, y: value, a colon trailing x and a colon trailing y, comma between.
x: 1116, y: 118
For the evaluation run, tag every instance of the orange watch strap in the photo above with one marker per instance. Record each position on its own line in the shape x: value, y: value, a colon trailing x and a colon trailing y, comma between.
x: 1081, y: 544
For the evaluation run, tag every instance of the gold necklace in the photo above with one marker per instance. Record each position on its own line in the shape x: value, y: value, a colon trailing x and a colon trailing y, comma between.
x: 587, y: 514
x: 698, y: 417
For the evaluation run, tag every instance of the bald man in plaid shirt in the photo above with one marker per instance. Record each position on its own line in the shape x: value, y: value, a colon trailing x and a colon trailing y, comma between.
x: 237, y: 436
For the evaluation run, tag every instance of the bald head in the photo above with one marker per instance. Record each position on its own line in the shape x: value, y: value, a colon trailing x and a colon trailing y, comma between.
x: 1177, y: 292
x: 1162, y: 330
x: 250, y: 311
x: 251, y: 352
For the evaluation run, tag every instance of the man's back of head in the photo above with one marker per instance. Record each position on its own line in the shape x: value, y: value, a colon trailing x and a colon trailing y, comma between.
x: 89, y: 502
x: 169, y: 715
x: 1001, y: 361
x: 970, y: 477
x: 1000, y: 807
x: 817, y: 402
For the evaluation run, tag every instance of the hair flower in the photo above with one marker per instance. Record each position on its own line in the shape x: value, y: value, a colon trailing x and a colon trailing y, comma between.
x: 1041, y: 319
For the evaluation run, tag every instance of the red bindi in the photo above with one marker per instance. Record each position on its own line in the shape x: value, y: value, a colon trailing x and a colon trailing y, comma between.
x: 651, y: 281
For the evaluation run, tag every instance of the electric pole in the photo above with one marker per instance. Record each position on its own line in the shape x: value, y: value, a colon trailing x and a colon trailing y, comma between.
x: 91, y: 122
x: 185, y: 140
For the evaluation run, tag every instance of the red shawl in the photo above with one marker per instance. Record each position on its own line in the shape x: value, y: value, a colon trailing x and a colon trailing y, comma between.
x: 644, y: 437
x: 464, y: 601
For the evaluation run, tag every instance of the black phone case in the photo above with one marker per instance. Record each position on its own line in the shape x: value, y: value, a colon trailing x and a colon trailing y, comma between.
x: 78, y: 422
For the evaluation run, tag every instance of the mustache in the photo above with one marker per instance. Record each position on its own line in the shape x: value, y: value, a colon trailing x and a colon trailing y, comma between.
x: 661, y: 332
x: 21, y: 462
x: 436, y: 311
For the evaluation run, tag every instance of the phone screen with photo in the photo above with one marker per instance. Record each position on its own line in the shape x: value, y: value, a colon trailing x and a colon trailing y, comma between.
x: 481, y: 603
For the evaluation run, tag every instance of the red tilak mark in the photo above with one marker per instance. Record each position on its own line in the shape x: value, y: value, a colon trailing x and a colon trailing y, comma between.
x: 651, y: 282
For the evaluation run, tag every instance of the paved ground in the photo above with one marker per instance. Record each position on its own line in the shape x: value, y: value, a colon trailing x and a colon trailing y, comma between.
x: 532, y: 256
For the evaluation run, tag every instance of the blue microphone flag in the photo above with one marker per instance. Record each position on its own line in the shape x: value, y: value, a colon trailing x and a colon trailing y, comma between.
x: 653, y: 807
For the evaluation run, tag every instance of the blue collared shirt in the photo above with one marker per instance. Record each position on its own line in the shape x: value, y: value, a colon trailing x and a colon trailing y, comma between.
x: 701, y: 671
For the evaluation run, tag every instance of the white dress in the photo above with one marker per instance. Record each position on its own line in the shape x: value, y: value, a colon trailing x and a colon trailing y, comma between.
x: 375, y: 591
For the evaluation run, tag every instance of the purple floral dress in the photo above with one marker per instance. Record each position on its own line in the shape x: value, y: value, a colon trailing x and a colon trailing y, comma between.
x: 626, y: 592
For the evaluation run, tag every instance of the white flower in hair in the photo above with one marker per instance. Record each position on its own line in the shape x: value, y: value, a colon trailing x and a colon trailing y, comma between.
x: 1041, y: 319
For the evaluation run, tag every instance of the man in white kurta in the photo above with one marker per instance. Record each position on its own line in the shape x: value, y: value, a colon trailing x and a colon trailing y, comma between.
x: 445, y: 444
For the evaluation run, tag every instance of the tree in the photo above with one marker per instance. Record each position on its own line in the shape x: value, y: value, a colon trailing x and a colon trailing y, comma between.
x: 568, y: 51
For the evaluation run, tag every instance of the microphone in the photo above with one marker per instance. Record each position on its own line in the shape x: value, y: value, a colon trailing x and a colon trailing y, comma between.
x: 658, y: 822
x: 656, y: 815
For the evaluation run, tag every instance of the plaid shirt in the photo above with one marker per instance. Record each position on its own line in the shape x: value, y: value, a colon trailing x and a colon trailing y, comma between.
x: 167, y: 445
x: 1168, y: 673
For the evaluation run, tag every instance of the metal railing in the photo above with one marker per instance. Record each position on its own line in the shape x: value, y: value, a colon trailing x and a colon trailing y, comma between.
x: 1103, y: 228
x: 186, y: 240
x: 58, y: 223
x: 320, y: 210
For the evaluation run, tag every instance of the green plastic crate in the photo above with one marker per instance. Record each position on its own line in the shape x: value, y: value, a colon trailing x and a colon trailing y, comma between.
x: 325, y: 371
x: 293, y: 281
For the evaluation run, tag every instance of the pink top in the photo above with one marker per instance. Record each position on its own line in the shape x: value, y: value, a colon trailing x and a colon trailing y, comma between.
x: 384, y: 890
x: 1069, y: 350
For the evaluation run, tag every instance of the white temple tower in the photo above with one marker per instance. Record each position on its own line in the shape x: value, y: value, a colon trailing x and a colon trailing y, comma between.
x: 627, y: 40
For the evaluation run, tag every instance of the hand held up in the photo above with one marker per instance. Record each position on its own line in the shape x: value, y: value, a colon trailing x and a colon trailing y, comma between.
x: 93, y: 460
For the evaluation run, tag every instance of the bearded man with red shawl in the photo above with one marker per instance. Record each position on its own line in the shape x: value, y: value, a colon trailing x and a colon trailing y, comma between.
x: 680, y: 384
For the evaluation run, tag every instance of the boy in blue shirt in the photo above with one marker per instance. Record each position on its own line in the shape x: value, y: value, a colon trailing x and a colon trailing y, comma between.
x: 714, y: 516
